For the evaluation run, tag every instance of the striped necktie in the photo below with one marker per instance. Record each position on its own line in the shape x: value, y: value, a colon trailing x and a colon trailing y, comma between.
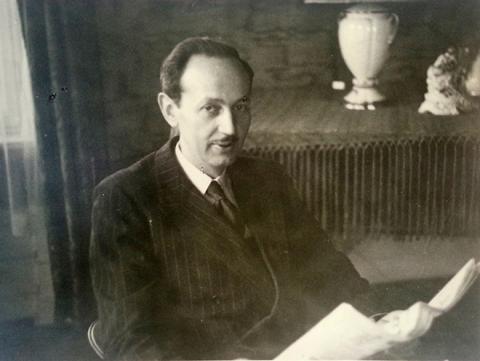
x: 225, y: 207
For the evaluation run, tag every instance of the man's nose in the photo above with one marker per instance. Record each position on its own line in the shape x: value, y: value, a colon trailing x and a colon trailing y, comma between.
x: 226, y: 122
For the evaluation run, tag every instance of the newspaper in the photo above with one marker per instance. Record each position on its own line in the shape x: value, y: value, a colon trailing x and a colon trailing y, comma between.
x: 454, y: 290
x: 348, y: 334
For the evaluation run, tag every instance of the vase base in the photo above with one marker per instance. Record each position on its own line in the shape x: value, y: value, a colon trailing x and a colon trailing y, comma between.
x: 364, y: 96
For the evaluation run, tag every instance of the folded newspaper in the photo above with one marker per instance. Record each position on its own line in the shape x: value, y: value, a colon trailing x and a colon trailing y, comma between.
x: 347, y: 334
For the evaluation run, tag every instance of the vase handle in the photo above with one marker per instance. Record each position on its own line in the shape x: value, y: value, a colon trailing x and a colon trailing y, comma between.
x: 395, y: 21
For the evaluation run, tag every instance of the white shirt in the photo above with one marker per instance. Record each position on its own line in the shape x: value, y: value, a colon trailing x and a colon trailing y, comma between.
x: 200, y: 180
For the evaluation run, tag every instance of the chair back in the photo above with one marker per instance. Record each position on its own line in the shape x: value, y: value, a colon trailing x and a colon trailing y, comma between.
x: 93, y: 343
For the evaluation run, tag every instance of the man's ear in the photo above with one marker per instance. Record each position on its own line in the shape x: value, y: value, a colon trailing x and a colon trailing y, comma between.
x: 168, y: 108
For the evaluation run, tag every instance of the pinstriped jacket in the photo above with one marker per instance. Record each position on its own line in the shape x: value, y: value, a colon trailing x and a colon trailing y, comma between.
x: 172, y: 279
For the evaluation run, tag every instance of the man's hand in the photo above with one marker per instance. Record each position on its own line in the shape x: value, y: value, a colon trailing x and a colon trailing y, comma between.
x: 411, y: 323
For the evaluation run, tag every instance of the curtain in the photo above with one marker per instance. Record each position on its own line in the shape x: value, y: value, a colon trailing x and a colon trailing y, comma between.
x: 63, y: 59
x: 16, y: 118
x: 22, y: 230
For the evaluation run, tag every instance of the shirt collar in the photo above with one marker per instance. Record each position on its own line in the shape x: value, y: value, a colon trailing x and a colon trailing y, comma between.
x: 200, y: 180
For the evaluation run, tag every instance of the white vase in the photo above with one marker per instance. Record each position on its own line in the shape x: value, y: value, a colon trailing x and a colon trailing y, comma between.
x: 472, y: 83
x: 365, y: 33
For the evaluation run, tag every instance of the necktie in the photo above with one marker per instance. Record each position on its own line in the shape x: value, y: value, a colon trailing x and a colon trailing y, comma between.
x: 225, y: 207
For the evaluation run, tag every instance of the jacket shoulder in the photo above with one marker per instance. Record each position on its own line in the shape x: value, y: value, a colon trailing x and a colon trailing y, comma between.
x: 138, y: 177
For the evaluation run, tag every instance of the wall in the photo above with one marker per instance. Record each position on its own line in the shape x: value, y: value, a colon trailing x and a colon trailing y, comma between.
x: 288, y: 43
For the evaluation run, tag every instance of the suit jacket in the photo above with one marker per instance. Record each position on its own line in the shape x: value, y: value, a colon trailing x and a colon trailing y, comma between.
x: 173, y: 279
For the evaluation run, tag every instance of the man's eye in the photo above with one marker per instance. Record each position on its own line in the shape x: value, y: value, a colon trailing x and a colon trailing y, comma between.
x: 212, y: 109
x: 242, y: 107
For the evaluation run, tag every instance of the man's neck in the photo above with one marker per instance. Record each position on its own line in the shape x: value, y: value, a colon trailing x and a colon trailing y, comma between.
x: 211, y: 172
x: 202, y: 180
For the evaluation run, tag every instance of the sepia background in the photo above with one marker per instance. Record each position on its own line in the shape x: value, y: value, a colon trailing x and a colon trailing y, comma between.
x: 399, y: 192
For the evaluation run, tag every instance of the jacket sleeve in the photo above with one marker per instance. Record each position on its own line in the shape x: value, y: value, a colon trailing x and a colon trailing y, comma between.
x: 315, y: 277
x: 126, y: 279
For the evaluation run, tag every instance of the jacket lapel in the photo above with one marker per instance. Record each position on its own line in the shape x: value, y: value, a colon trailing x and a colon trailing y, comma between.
x: 246, y: 190
x: 262, y: 213
x: 198, y: 221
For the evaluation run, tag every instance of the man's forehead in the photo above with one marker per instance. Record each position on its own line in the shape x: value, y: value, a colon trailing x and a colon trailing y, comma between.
x: 210, y: 76
x: 207, y: 99
x: 207, y: 60
x: 212, y: 69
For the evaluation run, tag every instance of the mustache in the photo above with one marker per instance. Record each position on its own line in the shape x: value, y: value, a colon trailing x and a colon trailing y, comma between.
x: 228, y: 139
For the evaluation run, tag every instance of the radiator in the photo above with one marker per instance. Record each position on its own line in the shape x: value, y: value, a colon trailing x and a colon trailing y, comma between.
x: 427, y: 187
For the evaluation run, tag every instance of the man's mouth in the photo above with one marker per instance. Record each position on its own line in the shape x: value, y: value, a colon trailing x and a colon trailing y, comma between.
x: 225, y: 143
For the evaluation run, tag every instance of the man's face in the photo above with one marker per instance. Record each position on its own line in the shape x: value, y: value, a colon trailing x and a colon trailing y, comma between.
x: 213, y: 114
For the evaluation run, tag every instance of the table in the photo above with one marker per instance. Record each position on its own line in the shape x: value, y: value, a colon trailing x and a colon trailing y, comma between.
x: 363, y: 173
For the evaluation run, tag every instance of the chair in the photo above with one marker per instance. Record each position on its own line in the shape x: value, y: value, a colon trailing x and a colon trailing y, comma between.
x: 93, y: 343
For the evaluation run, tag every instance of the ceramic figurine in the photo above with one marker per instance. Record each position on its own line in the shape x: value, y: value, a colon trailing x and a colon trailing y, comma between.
x: 446, y: 86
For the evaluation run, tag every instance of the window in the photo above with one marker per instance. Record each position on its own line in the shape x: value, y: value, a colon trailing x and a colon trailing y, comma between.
x: 16, y: 104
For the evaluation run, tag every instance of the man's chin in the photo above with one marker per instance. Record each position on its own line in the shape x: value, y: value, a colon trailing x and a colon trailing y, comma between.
x: 220, y: 153
x: 222, y: 162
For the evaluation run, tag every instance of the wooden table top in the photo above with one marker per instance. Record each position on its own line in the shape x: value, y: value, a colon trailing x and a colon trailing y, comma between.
x: 309, y: 116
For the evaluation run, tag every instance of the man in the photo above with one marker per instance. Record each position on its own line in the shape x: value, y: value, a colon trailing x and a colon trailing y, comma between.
x: 199, y: 252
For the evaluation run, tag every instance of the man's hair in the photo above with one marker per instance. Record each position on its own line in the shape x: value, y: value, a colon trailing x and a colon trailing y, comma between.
x: 174, y: 64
